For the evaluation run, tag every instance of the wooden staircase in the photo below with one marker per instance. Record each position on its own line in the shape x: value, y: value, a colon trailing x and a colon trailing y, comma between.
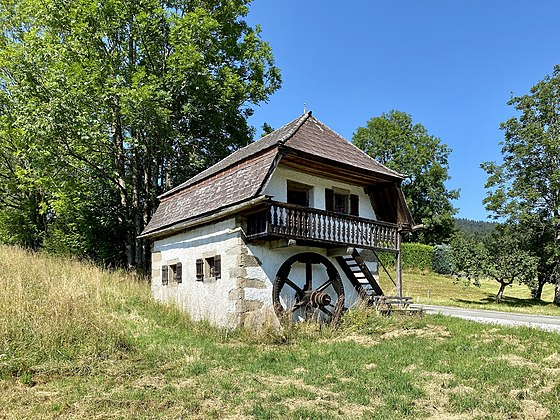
x: 360, y: 276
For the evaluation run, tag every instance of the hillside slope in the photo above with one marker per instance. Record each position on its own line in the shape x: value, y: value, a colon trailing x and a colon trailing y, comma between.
x: 80, y: 342
x: 478, y: 228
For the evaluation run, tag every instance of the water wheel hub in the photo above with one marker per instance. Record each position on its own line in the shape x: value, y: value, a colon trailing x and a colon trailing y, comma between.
x: 316, y: 298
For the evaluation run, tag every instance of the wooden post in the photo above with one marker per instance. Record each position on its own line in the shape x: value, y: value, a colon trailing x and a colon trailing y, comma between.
x: 399, y: 265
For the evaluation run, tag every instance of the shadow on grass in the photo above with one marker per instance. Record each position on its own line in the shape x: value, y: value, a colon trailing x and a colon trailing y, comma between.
x: 506, y: 301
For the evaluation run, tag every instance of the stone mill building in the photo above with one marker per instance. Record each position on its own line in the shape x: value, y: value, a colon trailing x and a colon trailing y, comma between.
x: 286, y: 227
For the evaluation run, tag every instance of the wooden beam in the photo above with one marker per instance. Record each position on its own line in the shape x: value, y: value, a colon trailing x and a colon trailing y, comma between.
x: 350, y: 175
x: 399, y: 266
x: 339, y: 251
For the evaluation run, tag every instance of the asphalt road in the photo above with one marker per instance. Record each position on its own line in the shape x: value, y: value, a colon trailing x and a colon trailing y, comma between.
x: 544, y: 322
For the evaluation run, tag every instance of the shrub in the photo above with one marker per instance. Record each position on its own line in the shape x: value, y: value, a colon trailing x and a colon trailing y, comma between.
x: 418, y: 256
x: 414, y: 256
x: 441, y: 259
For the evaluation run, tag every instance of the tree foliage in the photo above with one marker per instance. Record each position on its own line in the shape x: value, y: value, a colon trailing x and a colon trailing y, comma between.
x: 469, y: 257
x: 479, y: 228
x: 509, y: 261
x: 266, y: 129
x: 395, y: 141
x: 525, y: 188
x: 502, y: 256
x: 105, y: 105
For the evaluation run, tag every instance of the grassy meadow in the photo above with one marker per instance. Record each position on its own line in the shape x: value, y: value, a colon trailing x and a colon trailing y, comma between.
x: 430, y: 288
x: 80, y: 342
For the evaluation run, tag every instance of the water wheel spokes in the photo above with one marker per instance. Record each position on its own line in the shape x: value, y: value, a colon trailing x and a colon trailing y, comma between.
x: 324, y: 285
x: 308, y: 299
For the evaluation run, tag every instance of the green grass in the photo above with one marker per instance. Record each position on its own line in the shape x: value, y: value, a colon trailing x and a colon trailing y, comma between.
x: 430, y: 288
x: 116, y: 353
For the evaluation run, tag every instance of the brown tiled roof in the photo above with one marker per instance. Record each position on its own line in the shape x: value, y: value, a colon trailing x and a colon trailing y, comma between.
x: 270, y: 140
x: 239, y: 176
x: 315, y: 138
x: 232, y: 185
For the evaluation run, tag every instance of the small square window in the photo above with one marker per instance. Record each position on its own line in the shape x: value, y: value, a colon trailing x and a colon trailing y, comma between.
x: 298, y: 194
x: 172, y: 273
x: 341, y: 201
x: 208, y: 268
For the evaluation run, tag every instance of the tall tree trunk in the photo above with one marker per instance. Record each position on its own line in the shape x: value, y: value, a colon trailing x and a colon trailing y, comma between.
x: 500, y: 294
x: 556, y: 279
x: 120, y: 166
x: 536, y: 293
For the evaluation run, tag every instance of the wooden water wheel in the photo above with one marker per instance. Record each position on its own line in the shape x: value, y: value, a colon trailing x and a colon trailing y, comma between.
x: 306, y: 299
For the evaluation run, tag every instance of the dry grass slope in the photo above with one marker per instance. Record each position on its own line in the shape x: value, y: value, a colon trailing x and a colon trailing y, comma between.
x: 56, y: 309
x: 80, y: 342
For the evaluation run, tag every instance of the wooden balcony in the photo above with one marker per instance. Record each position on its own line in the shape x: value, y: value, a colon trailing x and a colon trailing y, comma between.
x: 324, y: 228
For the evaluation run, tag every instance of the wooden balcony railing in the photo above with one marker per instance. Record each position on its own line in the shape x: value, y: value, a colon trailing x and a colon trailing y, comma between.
x: 281, y: 220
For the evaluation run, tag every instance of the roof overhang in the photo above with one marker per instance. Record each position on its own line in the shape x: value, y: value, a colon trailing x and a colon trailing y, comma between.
x: 319, y: 166
x: 203, y: 219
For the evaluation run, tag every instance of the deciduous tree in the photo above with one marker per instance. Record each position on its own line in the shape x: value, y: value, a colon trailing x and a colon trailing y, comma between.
x: 508, y: 261
x: 525, y: 187
x: 469, y: 257
x: 133, y: 96
x: 394, y: 140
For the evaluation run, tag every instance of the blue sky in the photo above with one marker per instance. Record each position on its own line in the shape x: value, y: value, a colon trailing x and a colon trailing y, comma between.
x: 452, y: 65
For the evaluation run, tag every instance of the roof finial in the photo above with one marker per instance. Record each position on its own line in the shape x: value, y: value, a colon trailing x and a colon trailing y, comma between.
x: 304, y: 108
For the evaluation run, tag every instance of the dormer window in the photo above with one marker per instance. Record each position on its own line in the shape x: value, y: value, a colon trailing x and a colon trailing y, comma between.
x: 341, y: 201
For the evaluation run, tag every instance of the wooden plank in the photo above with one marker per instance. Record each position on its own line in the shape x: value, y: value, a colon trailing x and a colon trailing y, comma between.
x: 360, y: 261
x: 399, y: 265
x: 362, y: 293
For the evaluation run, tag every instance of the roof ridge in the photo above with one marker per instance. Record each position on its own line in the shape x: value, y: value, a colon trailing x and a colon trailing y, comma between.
x: 294, y: 130
x: 364, y: 153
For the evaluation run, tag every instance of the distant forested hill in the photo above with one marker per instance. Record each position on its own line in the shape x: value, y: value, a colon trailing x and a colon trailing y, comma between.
x: 475, y: 227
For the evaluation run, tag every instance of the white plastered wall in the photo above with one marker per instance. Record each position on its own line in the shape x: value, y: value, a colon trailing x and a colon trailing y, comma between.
x: 209, y: 299
x: 277, y: 188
